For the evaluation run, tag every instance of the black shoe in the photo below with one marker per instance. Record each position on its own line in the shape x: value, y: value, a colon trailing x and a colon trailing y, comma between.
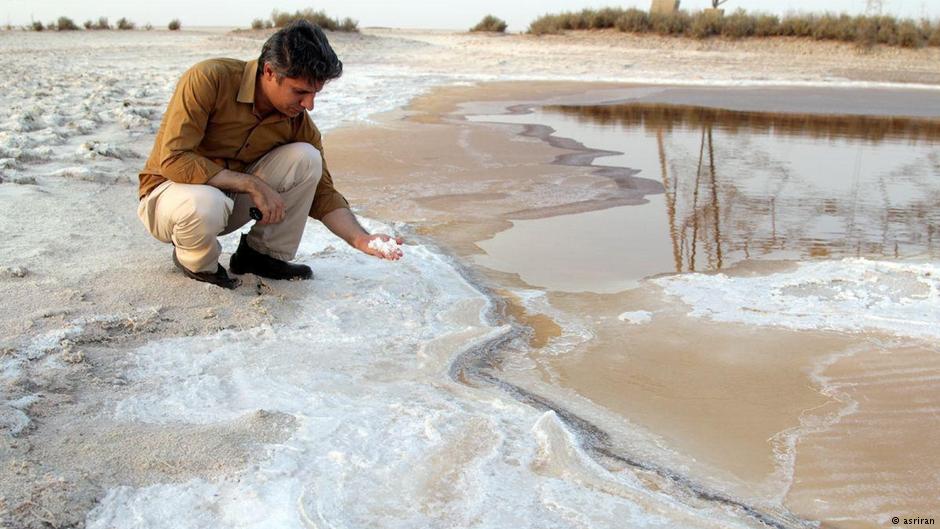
x: 247, y: 260
x: 219, y: 278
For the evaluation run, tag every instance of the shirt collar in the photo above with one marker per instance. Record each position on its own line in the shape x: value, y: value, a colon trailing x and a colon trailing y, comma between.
x: 246, y: 94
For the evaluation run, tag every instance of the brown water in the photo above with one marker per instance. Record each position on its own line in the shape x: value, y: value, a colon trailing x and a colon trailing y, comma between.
x: 836, y: 426
x: 732, y: 186
x: 791, y: 426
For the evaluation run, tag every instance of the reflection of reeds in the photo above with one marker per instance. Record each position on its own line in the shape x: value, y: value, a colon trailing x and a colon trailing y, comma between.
x: 667, y: 117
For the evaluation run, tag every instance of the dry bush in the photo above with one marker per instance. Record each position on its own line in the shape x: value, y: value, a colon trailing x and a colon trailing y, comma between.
x: 605, y: 18
x: 257, y: 24
x: 545, y: 25
x: 836, y: 27
x: 675, y: 24
x: 174, y: 25
x: 909, y: 35
x: 123, y: 23
x: 65, y: 24
x: 739, y: 25
x: 934, y: 38
x: 37, y: 26
x: 797, y: 25
x: 766, y: 25
x: 634, y: 21
x: 101, y: 24
x: 706, y: 24
x: 319, y: 18
x: 490, y: 23
x: 866, y: 32
x: 348, y: 25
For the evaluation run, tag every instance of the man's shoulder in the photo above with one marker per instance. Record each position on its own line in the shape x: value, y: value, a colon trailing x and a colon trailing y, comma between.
x: 220, y: 68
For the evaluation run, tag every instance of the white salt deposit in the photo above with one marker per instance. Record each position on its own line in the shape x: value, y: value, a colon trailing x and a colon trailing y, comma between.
x: 851, y: 295
x: 636, y: 317
x: 386, y: 247
x: 384, y: 436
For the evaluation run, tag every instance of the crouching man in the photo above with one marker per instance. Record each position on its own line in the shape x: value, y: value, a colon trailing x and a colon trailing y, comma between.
x: 237, y: 140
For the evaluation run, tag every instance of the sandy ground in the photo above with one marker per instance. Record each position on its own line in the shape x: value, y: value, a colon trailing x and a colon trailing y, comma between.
x: 79, y: 113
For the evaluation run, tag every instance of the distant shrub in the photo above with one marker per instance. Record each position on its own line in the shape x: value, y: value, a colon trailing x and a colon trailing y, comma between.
x: 671, y: 23
x: 66, y: 24
x: 887, y: 30
x: 37, y: 26
x: 320, y: 18
x: 174, y: 25
x: 863, y: 30
x: 545, y: 25
x: 257, y: 24
x: 633, y: 21
x: 909, y: 35
x: 123, y: 23
x: 102, y: 23
x: 766, y: 25
x: 148, y: 26
x: 706, y: 24
x: 348, y: 25
x: 934, y: 38
x: 797, y: 26
x: 739, y: 25
x: 490, y: 23
x: 866, y: 32
x: 605, y: 18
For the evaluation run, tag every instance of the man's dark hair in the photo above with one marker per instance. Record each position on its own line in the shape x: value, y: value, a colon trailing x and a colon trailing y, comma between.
x: 300, y: 50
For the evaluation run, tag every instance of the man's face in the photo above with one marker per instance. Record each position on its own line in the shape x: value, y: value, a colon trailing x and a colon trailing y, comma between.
x: 289, y: 96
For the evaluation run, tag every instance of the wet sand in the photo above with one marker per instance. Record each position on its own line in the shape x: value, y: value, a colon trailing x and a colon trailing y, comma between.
x: 801, y: 420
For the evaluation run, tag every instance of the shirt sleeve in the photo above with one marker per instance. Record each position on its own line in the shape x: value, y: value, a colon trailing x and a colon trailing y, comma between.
x: 185, y: 125
x: 326, y: 198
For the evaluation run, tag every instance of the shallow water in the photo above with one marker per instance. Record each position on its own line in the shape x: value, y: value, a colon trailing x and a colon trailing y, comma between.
x: 733, y: 186
x: 796, y: 257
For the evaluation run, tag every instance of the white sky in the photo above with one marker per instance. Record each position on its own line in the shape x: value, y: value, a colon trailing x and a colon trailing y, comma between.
x: 401, y: 13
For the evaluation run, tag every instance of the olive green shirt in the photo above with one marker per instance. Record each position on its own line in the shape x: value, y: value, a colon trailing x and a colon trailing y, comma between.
x: 210, y: 125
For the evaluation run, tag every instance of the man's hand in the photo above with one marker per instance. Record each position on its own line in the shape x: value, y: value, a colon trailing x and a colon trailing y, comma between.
x: 343, y: 223
x: 381, y: 246
x: 268, y: 201
x: 264, y: 196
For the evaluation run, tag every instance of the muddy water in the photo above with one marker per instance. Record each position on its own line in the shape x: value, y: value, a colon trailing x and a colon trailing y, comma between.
x: 791, y: 413
x: 833, y: 425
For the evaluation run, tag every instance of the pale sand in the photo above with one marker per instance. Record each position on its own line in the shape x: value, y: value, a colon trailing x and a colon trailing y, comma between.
x: 734, y: 421
x: 85, y: 254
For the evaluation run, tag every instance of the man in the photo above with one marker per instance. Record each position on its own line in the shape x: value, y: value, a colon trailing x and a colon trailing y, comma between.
x: 237, y: 136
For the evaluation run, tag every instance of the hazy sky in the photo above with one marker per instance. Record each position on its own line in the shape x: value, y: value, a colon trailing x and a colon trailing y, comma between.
x: 401, y: 13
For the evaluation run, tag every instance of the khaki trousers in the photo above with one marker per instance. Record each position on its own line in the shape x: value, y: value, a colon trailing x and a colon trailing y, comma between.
x: 193, y: 216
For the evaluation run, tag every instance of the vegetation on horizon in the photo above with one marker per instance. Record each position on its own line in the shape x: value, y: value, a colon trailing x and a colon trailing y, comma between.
x: 864, y: 30
x: 280, y: 19
x: 123, y: 23
x: 490, y: 23
x: 102, y: 23
x: 174, y: 25
x: 65, y: 24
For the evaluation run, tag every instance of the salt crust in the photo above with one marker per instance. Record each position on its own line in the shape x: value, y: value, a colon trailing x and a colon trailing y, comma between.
x: 851, y: 295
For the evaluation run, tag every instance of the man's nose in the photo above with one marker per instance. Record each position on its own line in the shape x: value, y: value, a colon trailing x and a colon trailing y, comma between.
x: 307, y: 102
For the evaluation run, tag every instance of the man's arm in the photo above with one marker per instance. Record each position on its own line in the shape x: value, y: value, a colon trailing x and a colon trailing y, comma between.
x: 184, y: 126
x: 344, y: 225
x: 264, y: 196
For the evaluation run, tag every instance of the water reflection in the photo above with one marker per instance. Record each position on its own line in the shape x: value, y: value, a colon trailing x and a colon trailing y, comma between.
x: 745, y: 184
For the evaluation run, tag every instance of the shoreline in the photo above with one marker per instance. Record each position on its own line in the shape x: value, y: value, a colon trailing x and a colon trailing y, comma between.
x: 444, y: 108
